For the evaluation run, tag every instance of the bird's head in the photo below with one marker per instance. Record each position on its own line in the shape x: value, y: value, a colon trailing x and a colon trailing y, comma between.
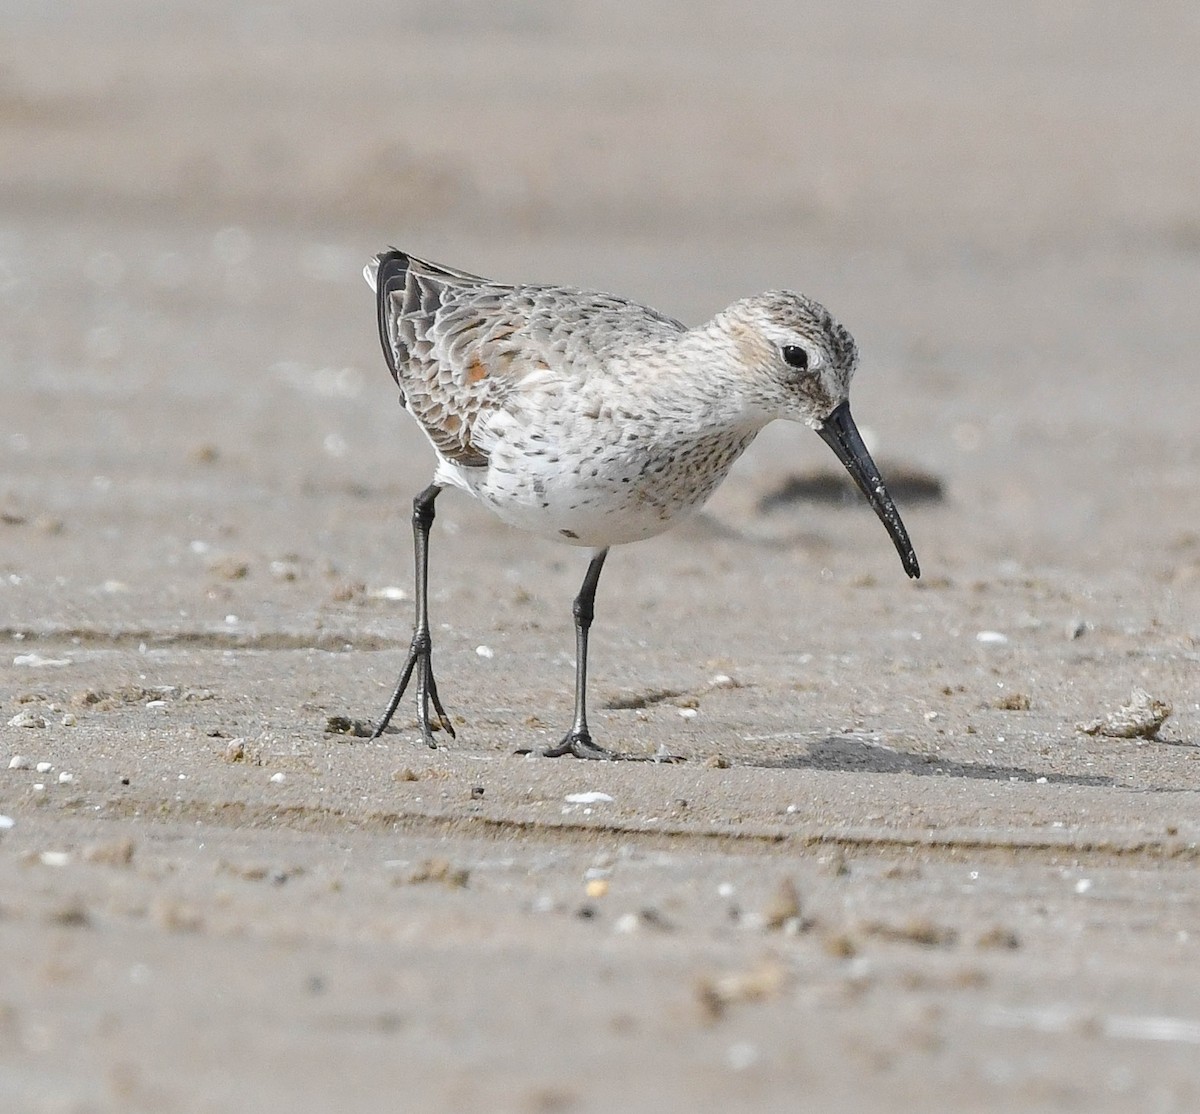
x: 798, y: 363
x: 798, y: 360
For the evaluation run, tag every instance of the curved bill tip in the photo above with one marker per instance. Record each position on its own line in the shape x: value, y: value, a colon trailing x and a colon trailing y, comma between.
x: 840, y: 433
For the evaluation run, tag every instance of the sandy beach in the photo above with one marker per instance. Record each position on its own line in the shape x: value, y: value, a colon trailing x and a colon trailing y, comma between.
x: 893, y: 873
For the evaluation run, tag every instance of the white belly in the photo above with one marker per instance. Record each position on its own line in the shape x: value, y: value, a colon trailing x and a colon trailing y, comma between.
x: 621, y: 493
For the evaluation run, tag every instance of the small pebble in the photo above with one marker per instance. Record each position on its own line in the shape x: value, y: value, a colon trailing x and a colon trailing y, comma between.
x: 784, y: 906
x: 347, y: 590
x: 19, y: 762
x: 441, y: 870
x: 204, y: 454
x: 279, y: 778
x: 597, y: 887
x: 65, y: 778
x: 998, y: 937
x: 230, y: 568
x: 485, y: 652
x: 71, y: 915
x: 717, y: 994
x: 6, y: 822
x: 840, y: 945
x: 44, y: 767
x: 836, y: 865
x: 69, y: 720
x: 285, y: 570
x: 117, y: 852
x: 54, y: 858
x: 27, y: 719
x: 991, y: 638
x: 1014, y: 702
x: 345, y: 725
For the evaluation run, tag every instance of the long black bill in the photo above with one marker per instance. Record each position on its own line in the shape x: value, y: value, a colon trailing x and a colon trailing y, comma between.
x: 841, y: 434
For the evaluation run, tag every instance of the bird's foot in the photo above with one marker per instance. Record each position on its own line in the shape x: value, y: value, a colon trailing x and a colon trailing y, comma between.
x: 578, y: 744
x: 427, y: 694
x: 420, y: 662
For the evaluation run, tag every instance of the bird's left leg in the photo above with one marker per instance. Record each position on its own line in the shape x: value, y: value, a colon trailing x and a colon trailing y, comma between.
x: 420, y: 650
x: 578, y: 741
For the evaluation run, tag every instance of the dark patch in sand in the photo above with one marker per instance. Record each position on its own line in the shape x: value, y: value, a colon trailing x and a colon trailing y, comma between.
x: 858, y: 756
x: 905, y: 483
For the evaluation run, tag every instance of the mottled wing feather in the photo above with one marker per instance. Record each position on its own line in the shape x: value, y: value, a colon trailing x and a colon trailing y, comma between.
x: 411, y: 298
x: 460, y: 346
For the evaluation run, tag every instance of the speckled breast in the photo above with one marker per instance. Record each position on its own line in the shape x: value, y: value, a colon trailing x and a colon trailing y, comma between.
x: 616, y: 494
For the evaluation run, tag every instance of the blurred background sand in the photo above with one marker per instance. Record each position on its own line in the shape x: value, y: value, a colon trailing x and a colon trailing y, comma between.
x: 204, y: 494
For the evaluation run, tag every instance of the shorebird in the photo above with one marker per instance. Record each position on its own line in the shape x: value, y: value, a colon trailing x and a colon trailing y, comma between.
x: 593, y: 420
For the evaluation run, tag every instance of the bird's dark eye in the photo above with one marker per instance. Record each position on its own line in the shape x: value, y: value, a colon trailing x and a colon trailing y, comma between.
x: 795, y: 356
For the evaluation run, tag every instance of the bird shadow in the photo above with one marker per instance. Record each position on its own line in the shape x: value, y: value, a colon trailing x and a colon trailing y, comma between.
x: 906, y: 483
x: 838, y: 752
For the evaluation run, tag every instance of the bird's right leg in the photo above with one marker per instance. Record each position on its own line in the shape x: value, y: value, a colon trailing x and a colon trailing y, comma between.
x: 578, y: 741
x: 420, y: 650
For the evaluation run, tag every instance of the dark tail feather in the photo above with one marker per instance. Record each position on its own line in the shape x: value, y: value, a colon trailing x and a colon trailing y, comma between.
x: 392, y: 276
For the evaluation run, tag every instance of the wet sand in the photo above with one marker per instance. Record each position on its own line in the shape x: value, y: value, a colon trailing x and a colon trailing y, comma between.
x: 892, y: 874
